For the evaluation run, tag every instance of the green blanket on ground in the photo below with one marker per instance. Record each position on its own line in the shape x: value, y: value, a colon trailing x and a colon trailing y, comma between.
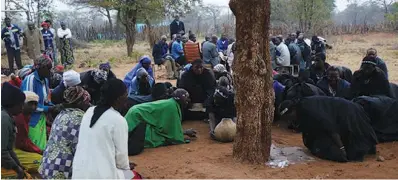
x: 163, y: 119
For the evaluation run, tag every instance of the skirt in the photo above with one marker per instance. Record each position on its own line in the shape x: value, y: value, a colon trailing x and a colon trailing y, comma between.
x: 11, y: 174
x: 38, y: 134
x: 31, y: 161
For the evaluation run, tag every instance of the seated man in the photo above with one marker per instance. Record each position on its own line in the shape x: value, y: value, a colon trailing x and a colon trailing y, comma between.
x: 281, y: 52
x: 379, y: 62
x: 161, y: 120
x: 221, y: 105
x: 333, y: 85
x: 318, y: 69
x: 210, y: 54
x: 200, y: 84
x: 369, y: 80
x: 159, y: 51
x: 333, y: 128
x: 141, y: 84
x: 177, y: 51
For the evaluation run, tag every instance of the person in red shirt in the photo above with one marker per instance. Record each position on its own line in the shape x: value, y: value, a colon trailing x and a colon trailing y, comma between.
x: 23, y: 141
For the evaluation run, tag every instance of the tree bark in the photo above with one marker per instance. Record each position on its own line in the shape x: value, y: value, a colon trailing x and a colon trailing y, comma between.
x: 253, y: 81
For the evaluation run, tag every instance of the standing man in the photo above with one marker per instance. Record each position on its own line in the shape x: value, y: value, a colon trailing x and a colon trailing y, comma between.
x: 177, y: 27
x: 55, y: 54
x: 65, y: 37
x: 33, y: 41
x: 210, y: 54
x: 10, y: 35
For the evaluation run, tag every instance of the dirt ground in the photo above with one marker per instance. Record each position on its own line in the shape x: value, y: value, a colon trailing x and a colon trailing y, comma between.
x: 204, y: 158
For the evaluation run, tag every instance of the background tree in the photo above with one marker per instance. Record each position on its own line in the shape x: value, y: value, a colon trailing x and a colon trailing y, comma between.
x: 253, y: 77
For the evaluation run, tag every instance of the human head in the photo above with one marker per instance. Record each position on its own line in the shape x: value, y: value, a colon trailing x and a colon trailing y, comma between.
x: 177, y: 17
x: 207, y: 38
x: 178, y: 37
x: 145, y: 61
x: 142, y: 75
x: 219, y: 68
x: 44, y: 25
x: 220, y: 95
x: 315, y: 39
x: 31, y: 25
x: 214, y: 39
x: 184, y: 39
x: 224, y: 81
x: 7, y: 21
x: 368, y: 65
x: 231, y: 40
x: 319, y: 63
x: 99, y: 76
x: 197, y: 66
x: 159, y: 91
x: 276, y: 41
x: 163, y: 38
x: 224, y: 36
x: 280, y: 37
x: 293, y: 36
x: 71, y: 78
x: 77, y: 97
x: 105, y: 67
x: 43, y: 66
x: 332, y: 75
x: 182, y: 97
x: 371, y: 52
x: 63, y: 25
x: 192, y: 37
x: 113, y: 94
x: 22, y: 73
x: 12, y: 99
x: 31, y: 101
x: 49, y: 22
x: 298, y: 33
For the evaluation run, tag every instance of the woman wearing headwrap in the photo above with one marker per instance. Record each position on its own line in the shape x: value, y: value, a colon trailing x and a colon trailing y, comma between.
x: 22, y: 73
x: 333, y: 128
x: 58, y: 155
x: 162, y: 119
x: 107, y: 67
x: 141, y: 84
x: 38, y: 83
x: 65, y: 36
x: 102, y: 149
x: 70, y: 78
x: 144, y: 62
x: 28, y: 153
x: 370, y: 80
x: 92, y: 81
x: 12, y: 102
x: 220, y: 71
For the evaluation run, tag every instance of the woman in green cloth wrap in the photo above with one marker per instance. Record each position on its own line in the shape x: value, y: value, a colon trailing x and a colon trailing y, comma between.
x: 162, y: 119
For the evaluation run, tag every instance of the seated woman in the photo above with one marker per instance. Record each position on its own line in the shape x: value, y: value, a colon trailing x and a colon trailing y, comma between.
x: 220, y: 71
x: 92, y: 82
x: 141, y: 84
x: 28, y: 153
x: 332, y: 85
x: 333, y: 128
x: 12, y: 102
x: 70, y: 78
x: 144, y: 62
x: 383, y: 115
x: 221, y: 105
x: 58, y: 156
x: 369, y: 80
x: 200, y: 84
x: 161, y: 119
x: 107, y: 67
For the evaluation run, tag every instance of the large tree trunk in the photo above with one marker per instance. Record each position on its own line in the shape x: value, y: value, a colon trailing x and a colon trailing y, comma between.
x: 253, y: 81
x: 151, y: 36
x: 129, y: 20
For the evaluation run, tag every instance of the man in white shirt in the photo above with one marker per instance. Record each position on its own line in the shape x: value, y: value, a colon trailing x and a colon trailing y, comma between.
x: 282, y: 52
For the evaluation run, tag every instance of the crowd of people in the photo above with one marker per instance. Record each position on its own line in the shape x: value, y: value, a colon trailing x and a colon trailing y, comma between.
x: 55, y: 119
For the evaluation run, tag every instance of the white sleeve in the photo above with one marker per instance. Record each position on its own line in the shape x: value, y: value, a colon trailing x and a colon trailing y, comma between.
x: 120, y: 138
x: 60, y: 33
x: 69, y: 33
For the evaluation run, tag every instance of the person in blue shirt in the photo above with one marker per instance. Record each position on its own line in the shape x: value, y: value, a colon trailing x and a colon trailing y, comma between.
x: 177, y: 51
x: 222, y: 43
x: 48, y: 37
x: 145, y: 62
x: 10, y: 35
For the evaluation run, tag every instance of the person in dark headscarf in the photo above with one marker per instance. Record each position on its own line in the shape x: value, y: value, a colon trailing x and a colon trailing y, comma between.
x: 12, y: 102
x: 92, y: 81
x: 64, y: 136
x: 141, y: 84
x: 200, y: 84
x: 369, y: 80
x: 333, y: 85
x: 333, y: 128
x: 107, y: 67
x: 221, y: 105
x: 144, y: 62
x: 220, y: 71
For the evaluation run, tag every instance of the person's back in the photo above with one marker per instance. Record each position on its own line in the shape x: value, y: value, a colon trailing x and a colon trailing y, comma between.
x: 282, y: 55
x: 210, y: 55
x: 97, y: 154
x: 296, y: 57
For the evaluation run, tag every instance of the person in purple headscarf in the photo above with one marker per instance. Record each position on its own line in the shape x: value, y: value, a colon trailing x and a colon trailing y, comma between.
x: 145, y: 62
x: 107, y: 67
